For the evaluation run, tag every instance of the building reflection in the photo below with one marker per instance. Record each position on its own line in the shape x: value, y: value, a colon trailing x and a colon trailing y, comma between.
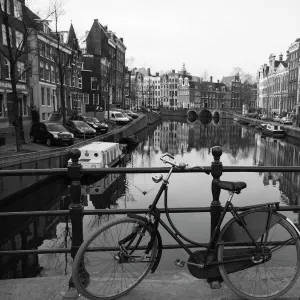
x: 177, y: 136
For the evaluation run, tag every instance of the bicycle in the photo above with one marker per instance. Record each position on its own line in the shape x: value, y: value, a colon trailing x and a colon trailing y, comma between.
x: 246, y: 253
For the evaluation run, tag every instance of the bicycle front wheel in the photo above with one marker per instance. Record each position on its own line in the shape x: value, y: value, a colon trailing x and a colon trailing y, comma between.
x: 102, y: 270
x: 268, y: 273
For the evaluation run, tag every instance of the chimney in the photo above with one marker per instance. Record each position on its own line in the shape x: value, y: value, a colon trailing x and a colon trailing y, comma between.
x: 121, y: 39
x: 105, y: 28
x: 218, y: 81
x: 148, y: 71
x: 96, y: 20
x: 156, y: 74
x: 211, y: 78
x: 173, y: 71
x: 287, y: 54
x: 280, y: 57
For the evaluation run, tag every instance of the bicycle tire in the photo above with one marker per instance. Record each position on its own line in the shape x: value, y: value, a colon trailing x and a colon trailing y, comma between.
x: 124, y: 278
x: 253, y: 279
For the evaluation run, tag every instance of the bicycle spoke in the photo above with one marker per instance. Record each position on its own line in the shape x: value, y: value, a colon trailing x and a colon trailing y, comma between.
x: 111, y: 272
x: 270, y: 278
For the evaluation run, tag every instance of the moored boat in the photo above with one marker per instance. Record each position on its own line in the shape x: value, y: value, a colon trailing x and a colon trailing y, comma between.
x: 131, y: 140
x: 100, y: 155
x: 273, y: 130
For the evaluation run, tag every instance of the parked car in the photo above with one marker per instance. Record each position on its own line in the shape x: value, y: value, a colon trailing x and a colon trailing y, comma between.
x: 50, y: 133
x: 286, y: 121
x: 131, y: 114
x: 117, y: 117
x: 127, y: 116
x: 264, y: 117
x: 80, y: 129
x: 100, y: 127
x: 276, y: 119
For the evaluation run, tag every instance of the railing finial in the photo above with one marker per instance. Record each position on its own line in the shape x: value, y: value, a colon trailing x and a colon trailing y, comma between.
x: 216, y: 152
x: 74, y: 155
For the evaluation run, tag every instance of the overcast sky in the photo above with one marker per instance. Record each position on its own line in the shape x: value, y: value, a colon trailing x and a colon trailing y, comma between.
x: 212, y: 36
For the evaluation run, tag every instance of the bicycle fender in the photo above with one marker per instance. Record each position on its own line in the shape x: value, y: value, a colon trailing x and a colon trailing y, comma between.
x: 159, y: 252
x: 159, y: 241
x: 256, y: 222
x: 294, y: 226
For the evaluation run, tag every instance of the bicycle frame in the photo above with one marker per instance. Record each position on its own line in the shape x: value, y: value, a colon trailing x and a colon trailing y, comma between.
x: 211, y: 245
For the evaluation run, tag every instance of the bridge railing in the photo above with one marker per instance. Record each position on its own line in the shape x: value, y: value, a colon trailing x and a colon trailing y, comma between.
x: 76, y: 209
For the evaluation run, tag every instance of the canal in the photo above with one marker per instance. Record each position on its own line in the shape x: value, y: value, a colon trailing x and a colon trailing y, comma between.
x: 190, y: 142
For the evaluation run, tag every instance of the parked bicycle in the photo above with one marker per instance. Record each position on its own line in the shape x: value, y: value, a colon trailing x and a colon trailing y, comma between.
x: 256, y: 252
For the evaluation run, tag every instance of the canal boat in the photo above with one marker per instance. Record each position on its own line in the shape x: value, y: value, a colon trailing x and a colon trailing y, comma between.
x: 129, y: 140
x: 100, y: 155
x: 273, y: 130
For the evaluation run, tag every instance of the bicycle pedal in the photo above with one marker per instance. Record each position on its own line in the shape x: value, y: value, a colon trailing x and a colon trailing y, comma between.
x: 179, y: 263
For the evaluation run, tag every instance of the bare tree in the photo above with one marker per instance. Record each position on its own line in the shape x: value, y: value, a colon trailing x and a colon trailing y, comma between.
x: 63, y: 59
x: 16, y: 32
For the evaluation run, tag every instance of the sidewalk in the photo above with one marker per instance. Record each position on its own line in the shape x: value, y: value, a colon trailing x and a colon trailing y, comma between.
x: 10, y: 142
x: 161, y: 285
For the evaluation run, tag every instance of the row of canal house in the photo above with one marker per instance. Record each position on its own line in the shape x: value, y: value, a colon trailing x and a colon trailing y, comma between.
x: 54, y: 66
x: 177, y: 90
x: 278, y: 83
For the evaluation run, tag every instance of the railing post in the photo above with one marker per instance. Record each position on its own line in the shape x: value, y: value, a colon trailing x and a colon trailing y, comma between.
x: 215, y: 206
x: 216, y: 172
x: 76, y: 207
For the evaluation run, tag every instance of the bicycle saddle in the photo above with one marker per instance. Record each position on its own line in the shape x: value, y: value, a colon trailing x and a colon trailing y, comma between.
x: 235, y: 187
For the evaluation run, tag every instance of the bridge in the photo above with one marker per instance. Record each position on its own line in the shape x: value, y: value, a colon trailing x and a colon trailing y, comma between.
x: 205, y: 115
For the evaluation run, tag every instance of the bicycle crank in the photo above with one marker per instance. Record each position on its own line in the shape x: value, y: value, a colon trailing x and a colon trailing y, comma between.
x: 198, y: 270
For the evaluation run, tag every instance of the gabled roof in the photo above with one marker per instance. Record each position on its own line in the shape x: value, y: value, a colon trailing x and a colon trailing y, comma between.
x: 227, y: 80
x: 72, y: 40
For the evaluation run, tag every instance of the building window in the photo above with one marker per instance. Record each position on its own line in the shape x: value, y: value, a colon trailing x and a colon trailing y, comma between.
x: 6, y: 69
x: 24, y: 106
x: 51, y: 54
x: 4, y: 37
x: 19, y: 39
x: 95, y: 99
x: 42, y: 49
x: 86, y: 98
x: 80, y: 82
x: 48, y: 97
x: 44, y: 116
x: 52, y: 74
x: 17, y: 9
x: 43, y: 95
x: 57, y: 77
x: 21, y: 71
x: 1, y: 106
x: 7, y: 8
x: 41, y: 70
x: 47, y: 73
x: 94, y: 83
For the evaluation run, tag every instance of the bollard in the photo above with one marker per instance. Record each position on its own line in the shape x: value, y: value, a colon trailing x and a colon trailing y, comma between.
x: 215, y: 206
x: 76, y: 207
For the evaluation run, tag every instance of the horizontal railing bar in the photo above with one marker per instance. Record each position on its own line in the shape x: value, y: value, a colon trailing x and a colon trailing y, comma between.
x: 103, y: 171
x: 68, y: 250
x: 295, y: 208
x: 165, y: 247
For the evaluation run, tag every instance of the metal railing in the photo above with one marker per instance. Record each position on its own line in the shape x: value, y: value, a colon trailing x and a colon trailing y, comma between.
x: 76, y: 210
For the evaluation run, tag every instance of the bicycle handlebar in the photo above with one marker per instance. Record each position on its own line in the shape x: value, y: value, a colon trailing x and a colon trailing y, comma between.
x: 182, y: 165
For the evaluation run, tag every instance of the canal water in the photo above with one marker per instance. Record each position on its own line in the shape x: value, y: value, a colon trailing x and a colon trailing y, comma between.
x: 189, y: 142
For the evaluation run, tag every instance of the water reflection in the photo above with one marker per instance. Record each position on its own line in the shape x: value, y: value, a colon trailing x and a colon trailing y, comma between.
x: 187, y: 141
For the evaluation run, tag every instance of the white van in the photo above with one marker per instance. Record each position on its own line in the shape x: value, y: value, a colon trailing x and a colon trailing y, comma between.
x: 117, y: 117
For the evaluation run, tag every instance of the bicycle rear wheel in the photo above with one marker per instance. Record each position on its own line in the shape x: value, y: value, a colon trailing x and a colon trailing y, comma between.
x: 259, y: 278
x: 110, y: 274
